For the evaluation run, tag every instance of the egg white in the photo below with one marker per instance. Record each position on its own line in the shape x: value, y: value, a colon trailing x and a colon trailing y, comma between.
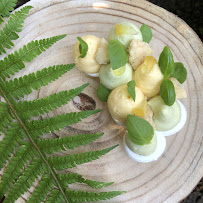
x: 119, y: 123
x: 93, y: 74
x: 179, y: 126
x: 161, y: 145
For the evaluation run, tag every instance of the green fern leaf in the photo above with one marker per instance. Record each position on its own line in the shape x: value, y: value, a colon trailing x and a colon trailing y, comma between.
x: 48, y: 125
x: 25, y: 181
x: 24, y: 85
x: 5, y: 7
x: 83, y: 196
x: 56, y: 145
x: 43, y: 188
x: 16, y: 166
x: 7, y: 146
x: 72, y: 160
x: 76, y: 178
x: 15, y: 62
x: 8, y: 33
x: 5, y: 116
x: 55, y: 197
x: 38, y: 107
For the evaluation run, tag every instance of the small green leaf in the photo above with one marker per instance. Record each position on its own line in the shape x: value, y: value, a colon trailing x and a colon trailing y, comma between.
x: 103, y: 93
x: 83, y: 47
x: 180, y: 72
x: 131, y: 89
x: 117, y: 53
x: 139, y: 130
x: 167, y: 92
x: 166, y: 62
x: 146, y: 33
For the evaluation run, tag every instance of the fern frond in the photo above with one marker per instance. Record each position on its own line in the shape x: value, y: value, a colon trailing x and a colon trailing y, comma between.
x: 24, y: 85
x: 83, y: 196
x: 55, y: 197
x: 16, y: 166
x: 76, y: 178
x: 60, y: 144
x: 5, y: 7
x: 13, y: 135
x: 15, y: 62
x: 5, y: 116
x: 48, y: 125
x: 72, y: 160
x: 8, y: 33
x: 43, y: 188
x: 38, y: 107
x: 33, y: 171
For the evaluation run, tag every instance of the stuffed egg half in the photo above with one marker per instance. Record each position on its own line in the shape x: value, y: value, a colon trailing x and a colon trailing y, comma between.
x: 88, y: 64
x: 124, y: 32
x: 168, y: 120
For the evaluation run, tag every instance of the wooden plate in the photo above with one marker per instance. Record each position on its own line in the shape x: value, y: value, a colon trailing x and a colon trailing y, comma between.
x: 176, y: 173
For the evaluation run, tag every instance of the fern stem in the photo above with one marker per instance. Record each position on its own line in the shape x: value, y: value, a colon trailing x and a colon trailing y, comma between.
x: 43, y: 157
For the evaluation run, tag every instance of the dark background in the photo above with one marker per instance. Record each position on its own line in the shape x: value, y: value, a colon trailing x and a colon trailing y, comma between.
x: 191, y: 11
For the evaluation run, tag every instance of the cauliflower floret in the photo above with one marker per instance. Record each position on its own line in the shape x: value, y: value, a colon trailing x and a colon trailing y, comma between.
x: 102, y: 56
x: 137, y: 52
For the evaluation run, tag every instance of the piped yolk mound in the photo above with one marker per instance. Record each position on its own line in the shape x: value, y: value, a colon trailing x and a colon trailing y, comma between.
x: 125, y: 30
x: 148, y: 77
x: 87, y: 64
x: 120, y: 104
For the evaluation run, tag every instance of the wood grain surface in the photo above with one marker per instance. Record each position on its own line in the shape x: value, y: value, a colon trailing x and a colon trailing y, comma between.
x: 175, y: 174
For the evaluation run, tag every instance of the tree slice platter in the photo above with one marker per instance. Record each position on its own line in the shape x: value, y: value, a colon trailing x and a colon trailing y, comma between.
x: 172, y: 177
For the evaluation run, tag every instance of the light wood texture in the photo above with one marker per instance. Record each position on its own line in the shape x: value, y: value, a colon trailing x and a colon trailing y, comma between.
x: 176, y: 173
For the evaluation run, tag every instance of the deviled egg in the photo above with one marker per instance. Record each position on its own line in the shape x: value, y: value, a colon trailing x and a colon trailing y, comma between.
x: 141, y: 142
x: 148, y: 77
x: 120, y: 104
x: 145, y: 153
x: 88, y: 64
x: 137, y: 50
x: 113, y: 78
x: 168, y: 120
x: 124, y: 32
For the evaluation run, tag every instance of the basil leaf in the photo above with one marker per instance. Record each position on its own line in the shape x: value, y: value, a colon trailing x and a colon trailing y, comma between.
x: 103, y: 93
x: 131, y: 89
x: 166, y: 62
x: 180, y: 72
x: 117, y: 53
x: 139, y: 130
x: 146, y: 33
x: 167, y: 92
x: 83, y: 47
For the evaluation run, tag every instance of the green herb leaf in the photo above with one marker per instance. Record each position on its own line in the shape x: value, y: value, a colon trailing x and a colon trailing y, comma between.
x: 117, y: 53
x: 180, y: 72
x: 166, y: 62
x: 167, y: 92
x: 146, y: 33
x: 139, y: 130
x: 131, y: 89
x: 83, y: 47
x: 103, y: 93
